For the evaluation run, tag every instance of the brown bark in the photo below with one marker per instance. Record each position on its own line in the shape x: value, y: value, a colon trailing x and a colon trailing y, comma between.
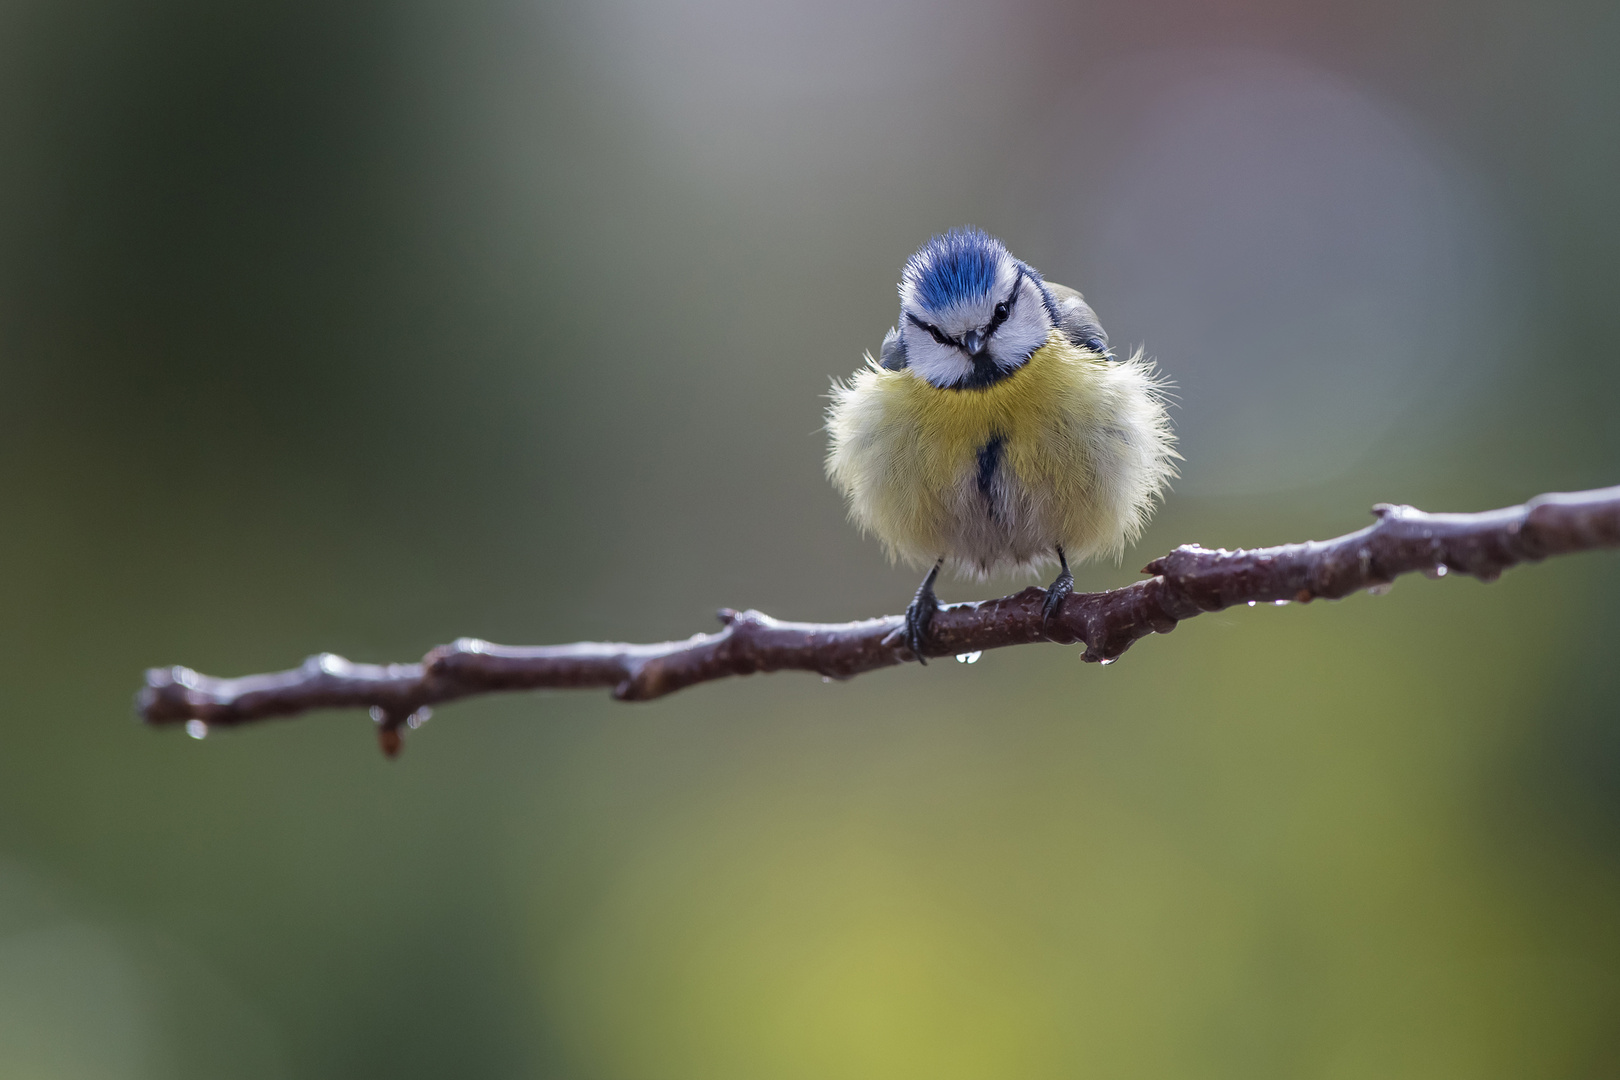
x: 1187, y: 581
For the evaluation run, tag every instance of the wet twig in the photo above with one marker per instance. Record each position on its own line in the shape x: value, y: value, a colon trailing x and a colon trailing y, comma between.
x: 1187, y: 581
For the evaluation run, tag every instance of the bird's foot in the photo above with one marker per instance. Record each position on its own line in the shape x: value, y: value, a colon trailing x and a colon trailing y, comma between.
x: 920, y: 615
x: 1058, y: 591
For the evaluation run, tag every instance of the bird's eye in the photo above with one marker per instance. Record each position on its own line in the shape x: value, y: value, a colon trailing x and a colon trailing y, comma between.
x: 1002, y: 310
x: 939, y: 335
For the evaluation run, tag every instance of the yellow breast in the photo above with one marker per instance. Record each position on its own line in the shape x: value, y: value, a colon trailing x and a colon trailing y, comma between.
x: 1082, y: 448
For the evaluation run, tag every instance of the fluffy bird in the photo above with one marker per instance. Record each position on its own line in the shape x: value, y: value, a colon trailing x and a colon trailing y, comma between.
x: 997, y: 430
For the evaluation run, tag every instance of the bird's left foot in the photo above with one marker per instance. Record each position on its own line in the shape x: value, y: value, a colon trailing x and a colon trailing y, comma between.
x: 1058, y: 591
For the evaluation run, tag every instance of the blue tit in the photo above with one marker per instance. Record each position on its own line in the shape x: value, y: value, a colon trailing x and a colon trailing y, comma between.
x: 997, y: 431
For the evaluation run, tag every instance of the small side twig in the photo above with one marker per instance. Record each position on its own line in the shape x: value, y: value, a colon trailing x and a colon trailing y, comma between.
x: 1186, y: 582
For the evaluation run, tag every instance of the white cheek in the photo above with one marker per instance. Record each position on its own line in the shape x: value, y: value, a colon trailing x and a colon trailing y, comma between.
x: 1018, y: 338
x: 941, y: 365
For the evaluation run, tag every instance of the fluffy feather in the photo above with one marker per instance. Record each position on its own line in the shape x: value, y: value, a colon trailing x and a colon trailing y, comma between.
x: 1085, y: 449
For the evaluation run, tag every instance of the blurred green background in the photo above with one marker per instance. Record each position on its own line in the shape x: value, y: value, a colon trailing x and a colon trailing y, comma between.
x: 361, y: 327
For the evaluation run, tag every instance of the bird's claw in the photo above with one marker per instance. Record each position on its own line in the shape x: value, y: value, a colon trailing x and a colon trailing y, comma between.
x: 1056, y: 593
x: 918, y: 618
x: 920, y: 615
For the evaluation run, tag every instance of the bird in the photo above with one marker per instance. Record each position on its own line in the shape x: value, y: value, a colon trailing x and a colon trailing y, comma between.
x: 997, y: 430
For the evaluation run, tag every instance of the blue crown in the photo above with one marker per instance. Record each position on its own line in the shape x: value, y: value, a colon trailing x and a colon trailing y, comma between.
x: 961, y: 265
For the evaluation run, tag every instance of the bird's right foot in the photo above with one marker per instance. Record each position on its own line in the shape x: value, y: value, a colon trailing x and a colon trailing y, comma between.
x: 920, y: 615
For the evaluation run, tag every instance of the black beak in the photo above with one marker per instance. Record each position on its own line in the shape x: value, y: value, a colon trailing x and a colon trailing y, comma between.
x: 973, y: 342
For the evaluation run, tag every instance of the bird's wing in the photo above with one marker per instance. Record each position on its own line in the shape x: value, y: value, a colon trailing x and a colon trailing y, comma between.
x: 893, y: 354
x: 1076, y: 319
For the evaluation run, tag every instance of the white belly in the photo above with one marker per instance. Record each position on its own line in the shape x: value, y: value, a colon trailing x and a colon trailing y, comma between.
x: 998, y: 522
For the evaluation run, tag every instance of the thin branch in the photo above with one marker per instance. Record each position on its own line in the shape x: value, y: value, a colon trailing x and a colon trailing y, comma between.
x: 1186, y: 582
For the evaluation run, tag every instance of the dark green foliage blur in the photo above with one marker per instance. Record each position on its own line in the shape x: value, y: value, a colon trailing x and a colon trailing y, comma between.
x: 363, y: 327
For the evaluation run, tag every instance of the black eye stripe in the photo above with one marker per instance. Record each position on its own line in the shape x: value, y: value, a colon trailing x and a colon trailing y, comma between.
x: 938, y: 334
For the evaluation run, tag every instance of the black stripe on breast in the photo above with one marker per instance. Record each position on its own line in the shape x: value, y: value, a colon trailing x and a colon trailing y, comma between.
x: 989, y: 462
